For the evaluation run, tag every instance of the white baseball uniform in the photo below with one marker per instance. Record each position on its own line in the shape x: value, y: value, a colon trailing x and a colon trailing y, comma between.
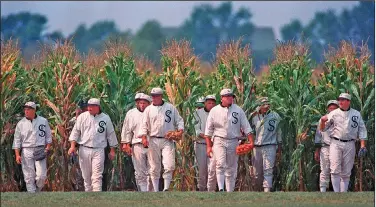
x: 202, y: 159
x: 92, y: 134
x: 225, y: 124
x: 131, y: 127
x: 323, y: 139
x: 29, y: 136
x: 268, y: 135
x: 156, y: 122
x: 344, y: 127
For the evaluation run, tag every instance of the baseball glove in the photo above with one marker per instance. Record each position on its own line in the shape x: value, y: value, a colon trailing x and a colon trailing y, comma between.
x: 243, y: 149
x: 173, y: 135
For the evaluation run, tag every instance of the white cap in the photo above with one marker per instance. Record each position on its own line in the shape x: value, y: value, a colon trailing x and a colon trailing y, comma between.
x: 335, y: 102
x: 94, y: 101
x: 145, y: 97
x: 137, y: 96
x: 156, y: 91
x: 210, y: 97
x: 30, y: 104
x: 345, y: 96
x: 264, y: 100
x: 226, y: 92
x: 200, y: 100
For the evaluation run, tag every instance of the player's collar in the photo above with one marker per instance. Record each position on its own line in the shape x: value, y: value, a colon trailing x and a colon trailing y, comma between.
x: 206, y: 109
x: 159, y: 105
x: 345, y: 110
x: 36, y: 115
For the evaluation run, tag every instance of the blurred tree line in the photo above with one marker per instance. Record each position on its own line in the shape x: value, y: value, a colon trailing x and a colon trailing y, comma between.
x: 206, y: 27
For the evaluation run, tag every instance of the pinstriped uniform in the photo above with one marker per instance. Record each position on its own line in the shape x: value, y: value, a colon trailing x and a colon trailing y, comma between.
x: 206, y: 177
x: 131, y: 126
x: 268, y: 135
x: 92, y: 134
x: 28, y: 137
x: 343, y: 126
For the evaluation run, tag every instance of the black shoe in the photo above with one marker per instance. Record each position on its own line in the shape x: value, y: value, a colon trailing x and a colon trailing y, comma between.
x: 221, y: 190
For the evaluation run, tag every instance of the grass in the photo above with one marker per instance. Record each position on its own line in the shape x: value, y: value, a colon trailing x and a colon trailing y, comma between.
x: 187, y: 199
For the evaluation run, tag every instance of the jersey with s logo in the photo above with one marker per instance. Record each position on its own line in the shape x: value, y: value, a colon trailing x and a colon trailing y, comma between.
x: 266, y: 128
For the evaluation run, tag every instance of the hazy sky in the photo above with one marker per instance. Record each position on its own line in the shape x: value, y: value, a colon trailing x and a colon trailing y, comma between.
x: 67, y: 15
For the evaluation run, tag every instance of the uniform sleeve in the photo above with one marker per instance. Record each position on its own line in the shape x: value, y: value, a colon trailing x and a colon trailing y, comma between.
x: 48, y: 133
x: 245, y: 126
x: 145, y: 124
x: 17, y: 138
x: 209, y: 127
x: 198, y: 123
x: 318, y: 136
x: 362, y: 134
x: 126, y: 134
x: 179, y: 122
x: 329, y: 123
x: 111, y: 135
x: 76, y: 131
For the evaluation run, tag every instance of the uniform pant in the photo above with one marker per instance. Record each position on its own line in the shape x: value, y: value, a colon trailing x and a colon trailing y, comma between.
x: 263, y: 159
x: 342, y: 155
x: 224, y: 152
x: 325, y: 167
x: 212, y: 178
x: 203, y: 163
x: 92, y: 166
x: 141, y: 166
x: 161, y: 149
x: 35, y: 172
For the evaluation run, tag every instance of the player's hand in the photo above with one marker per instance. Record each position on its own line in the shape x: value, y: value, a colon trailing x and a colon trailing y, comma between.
x: 362, y: 152
x: 72, y: 150
x: 127, y: 149
x: 18, y: 159
x: 111, y: 155
x: 279, y: 152
x: 324, y: 118
x: 317, y: 155
x: 145, y: 142
x: 209, y: 151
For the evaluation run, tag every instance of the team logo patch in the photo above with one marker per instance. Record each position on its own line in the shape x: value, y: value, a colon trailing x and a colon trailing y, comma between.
x: 235, y: 116
x: 271, y: 125
x: 168, y: 116
x: 354, y: 120
x: 42, y: 130
x: 102, y: 124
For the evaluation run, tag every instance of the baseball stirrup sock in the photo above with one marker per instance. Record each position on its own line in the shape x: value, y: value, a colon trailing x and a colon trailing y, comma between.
x: 323, y: 189
x: 167, y: 183
x: 336, y: 183
x: 344, y: 186
x: 221, y: 181
x: 155, y: 185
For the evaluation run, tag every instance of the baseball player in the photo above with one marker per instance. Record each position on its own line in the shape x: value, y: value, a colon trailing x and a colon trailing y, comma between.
x: 344, y: 126
x: 200, y: 103
x: 265, y: 125
x: 322, y: 142
x: 202, y: 159
x: 92, y: 131
x: 32, y: 141
x: 132, y: 145
x: 226, y: 122
x: 159, y: 118
x: 78, y: 182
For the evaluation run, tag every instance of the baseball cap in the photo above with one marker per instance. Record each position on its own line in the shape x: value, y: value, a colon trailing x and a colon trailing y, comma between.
x: 210, y: 97
x: 226, y: 92
x: 30, y: 104
x: 94, y: 101
x: 335, y: 102
x: 200, y: 100
x: 345, y: 96
x: 156, y: 91
x: 145, y: 97
x: 137, y: 96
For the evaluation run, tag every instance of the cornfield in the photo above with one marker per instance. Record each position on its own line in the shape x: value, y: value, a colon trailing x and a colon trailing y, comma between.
x: 58, y: 78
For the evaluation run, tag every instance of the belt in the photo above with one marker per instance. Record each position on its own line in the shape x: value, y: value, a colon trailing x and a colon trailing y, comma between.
x: 225, y: 138
x: 201, y: 143
x: 34, y: 147
x: 86, y: 146
x: 261, y: 145
x: 158, y: 137
x: 342, y: 140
